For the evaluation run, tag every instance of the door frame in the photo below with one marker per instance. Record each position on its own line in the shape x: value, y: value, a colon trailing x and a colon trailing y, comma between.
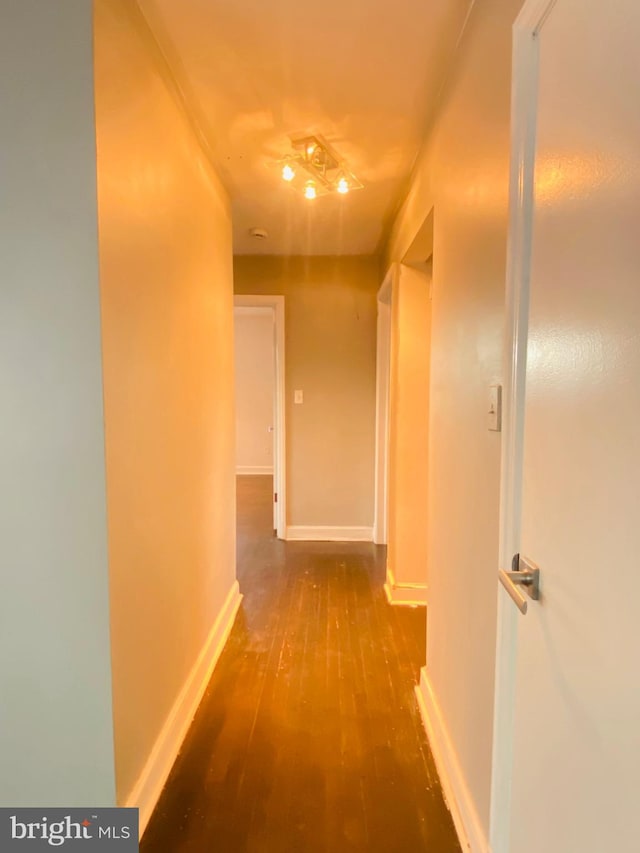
x: 383, y: 388
x: 280, y: 444
x: 524, y: 92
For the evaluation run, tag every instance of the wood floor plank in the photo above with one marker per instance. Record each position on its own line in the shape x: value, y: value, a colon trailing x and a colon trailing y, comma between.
x: 309, y: 737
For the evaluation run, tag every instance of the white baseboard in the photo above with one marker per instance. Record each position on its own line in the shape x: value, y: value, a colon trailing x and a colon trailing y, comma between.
x: 330, y: 534
x: 148, y: 788
x: 404, y: 594
x: 243, y: 470
x: 463, y: 811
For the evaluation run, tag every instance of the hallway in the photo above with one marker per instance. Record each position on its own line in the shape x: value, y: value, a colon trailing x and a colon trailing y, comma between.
x: 309, y: 736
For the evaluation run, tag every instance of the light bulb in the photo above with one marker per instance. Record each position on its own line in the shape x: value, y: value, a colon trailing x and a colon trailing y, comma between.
x: 288, y: 173
x: 343, y: 186
x: 310, y: 190
x: 310, y: 149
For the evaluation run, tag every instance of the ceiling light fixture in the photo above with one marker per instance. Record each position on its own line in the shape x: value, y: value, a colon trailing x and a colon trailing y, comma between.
x: 317, y: 169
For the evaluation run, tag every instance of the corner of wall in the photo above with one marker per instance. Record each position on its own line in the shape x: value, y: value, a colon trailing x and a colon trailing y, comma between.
x: 459, y: 799
x: 148, y: 787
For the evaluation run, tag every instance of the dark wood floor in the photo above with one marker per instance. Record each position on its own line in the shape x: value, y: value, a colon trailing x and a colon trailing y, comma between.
x: 309, y: 737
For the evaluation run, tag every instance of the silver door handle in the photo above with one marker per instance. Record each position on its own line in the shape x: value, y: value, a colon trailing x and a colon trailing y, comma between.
x: 523, y: 574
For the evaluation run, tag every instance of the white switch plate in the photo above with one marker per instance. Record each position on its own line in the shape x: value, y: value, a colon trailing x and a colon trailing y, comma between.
x: 298, y: 397
x: 494, y: 409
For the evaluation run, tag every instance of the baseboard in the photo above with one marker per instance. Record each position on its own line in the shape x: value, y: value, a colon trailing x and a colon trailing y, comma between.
x: 404, y: 594
x: 456, y: 792
x: 243, y: 470
x: 148, y: 788
x: 330, y: 534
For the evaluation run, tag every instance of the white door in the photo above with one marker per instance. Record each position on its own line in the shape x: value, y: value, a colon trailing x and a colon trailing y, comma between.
x: 567, y: 736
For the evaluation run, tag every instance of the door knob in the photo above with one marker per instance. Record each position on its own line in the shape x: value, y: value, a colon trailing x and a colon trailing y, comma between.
x: 523, y: 575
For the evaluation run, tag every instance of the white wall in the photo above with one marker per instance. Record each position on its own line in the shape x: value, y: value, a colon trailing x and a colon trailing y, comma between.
x: 463, y: 174
x: 330, y: 306
x: 56, y: 743
x: 255, y: 389
x: 167, y: 298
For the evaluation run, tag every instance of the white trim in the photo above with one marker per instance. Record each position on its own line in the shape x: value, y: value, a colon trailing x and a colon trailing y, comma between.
x: 246, y: 470
x: 456, y: 793
x: 404, y: 594
x: 385, y: 293
x: 383, y: 387
x: 253, y: 311
x: 147, y: 790
x: 523, y: 140
x: 277, y: 305
x: 301, y: 533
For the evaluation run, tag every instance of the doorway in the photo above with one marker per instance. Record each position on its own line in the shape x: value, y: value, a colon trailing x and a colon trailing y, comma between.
x: 260, y: 423
x: 403, y: 420
x: 383, y: 383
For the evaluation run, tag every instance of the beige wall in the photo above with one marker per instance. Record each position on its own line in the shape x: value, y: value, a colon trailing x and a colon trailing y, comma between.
x: 255, y: 390
x: 56, y: 738
x: 167, y: 301
x: 463, y: 174
x: 330, y: 306
x: 409, y: 426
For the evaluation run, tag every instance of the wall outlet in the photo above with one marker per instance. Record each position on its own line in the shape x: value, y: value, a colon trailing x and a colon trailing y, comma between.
x: 298, y: 398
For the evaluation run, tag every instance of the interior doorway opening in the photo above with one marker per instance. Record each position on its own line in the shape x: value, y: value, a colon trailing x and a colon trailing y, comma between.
x: 403, y: 420
x: 260, y: 423
x: 383, y: 381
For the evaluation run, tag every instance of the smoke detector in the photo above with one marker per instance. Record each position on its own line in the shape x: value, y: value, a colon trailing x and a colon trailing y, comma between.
x: 258, y: 233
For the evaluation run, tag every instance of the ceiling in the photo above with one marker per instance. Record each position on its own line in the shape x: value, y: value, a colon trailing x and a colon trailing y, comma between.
x: 364, y: 74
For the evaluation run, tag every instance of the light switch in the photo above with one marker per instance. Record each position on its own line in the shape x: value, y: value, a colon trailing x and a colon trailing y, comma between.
x: 298, y: 398
x: 494, y: 409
